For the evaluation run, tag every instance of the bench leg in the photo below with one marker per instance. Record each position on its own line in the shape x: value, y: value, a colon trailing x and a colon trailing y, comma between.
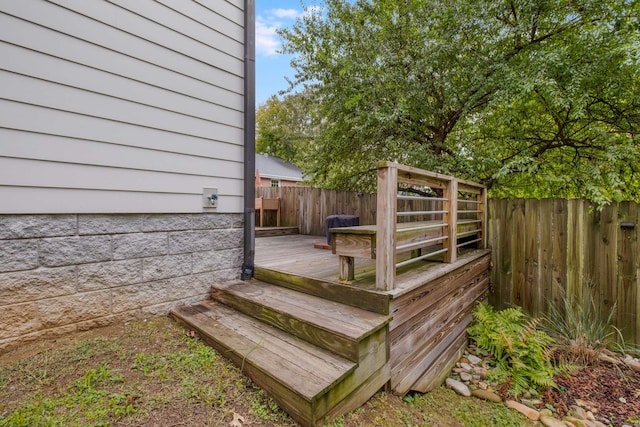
x: 347, y: 264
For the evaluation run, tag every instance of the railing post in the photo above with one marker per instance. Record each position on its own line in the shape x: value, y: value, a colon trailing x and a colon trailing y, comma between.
x: 483, y: 217
x: 387, y: 207
x: 451, y: 206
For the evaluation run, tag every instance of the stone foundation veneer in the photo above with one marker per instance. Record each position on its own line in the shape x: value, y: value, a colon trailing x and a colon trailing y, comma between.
x: 62, y: 273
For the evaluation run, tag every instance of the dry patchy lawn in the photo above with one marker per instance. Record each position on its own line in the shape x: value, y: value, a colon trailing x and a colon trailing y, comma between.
x: 152, y: 373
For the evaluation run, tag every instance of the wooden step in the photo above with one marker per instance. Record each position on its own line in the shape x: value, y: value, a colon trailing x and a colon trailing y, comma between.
x: 312, y: 384
x: 336, y: 327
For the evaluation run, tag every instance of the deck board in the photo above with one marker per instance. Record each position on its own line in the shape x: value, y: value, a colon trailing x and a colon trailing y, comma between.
x: 303, y: 367
x: 296, y: 254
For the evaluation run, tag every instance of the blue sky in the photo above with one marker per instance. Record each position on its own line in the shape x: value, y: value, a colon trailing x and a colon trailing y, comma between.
x: 271, y: 67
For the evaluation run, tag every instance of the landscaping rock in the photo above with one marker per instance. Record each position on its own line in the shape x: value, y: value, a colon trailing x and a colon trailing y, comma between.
x: 546, y: 412
x: 465, y: 376
x: 532, y: 403
x: 466, y: 366
x: 551, y: 422
x: 474, y: 360
x: 577, y: 422
x: 486, y: 395
x: 481, y: 372
x: 458, y: 387
x: 530, y: 413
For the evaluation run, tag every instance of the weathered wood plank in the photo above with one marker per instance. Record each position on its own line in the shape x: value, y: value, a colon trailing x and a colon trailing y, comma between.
x: 421, y: 299
x: 361, y: 395
x: 518, y: 246
x: 275, y: 231
x: 386, y: 228
x: 535, y: 227
x: 627, y: 309
x: 373, y: 358
x: 439, y: 371
x: 415, y: 344
x: 376, y: 302
x: 327, y: 324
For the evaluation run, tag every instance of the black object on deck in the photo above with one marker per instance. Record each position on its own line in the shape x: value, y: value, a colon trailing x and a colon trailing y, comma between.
x: 340, y: 220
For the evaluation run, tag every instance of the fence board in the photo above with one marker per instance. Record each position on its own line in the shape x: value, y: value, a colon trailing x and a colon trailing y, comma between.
x: 559, y: 248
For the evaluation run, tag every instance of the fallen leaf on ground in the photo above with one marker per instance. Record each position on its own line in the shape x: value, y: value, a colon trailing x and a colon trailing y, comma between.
x: 238, y: 420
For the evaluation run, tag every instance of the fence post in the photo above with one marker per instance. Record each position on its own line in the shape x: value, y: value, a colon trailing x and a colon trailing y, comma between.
x: 386, y: 226
x: 450, y: 205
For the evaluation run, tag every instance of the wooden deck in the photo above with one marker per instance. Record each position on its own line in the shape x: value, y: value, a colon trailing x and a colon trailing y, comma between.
x: 321, y: 346
x: 295, y: 254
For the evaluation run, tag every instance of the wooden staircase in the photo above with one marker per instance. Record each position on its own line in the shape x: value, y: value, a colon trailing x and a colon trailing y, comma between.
x: 315, y: 357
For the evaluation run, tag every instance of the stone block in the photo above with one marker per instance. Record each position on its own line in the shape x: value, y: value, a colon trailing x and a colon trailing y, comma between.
x: 211, y: 221
x: 190, y: 241
x: 163, y: 267
x: 237, y: 220
x: 166, y: 222
x: 18, y: 255
x: 34, y: 316
x: 31, y: 226
x: 216, y: 260
x: 110, y: 274
x: 58, y: 251
x: 133, y: 297
x: 109, y: 224
x: 228, y: 239
x: 21, y: 286
x: 139, y: 245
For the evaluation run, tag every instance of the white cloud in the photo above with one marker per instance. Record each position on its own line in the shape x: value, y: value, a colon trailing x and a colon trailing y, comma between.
x: 267, y: 42
x: 284, y: 13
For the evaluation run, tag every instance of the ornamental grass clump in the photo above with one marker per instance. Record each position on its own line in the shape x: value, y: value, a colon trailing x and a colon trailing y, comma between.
x: 521, y: 351
x: 582, y: 330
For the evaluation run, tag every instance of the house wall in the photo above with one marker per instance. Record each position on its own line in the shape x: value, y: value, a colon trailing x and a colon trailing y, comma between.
x: 114, y: 115
x: 266, y: 182
x: 120, y: 106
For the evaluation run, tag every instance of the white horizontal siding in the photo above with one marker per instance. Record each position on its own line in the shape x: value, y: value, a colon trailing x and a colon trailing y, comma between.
x: 41, y: 40
x: 55, y: 70
x: 210, y: 17
x: 134, y: 18
x: 55, y: 200
x: 37, y: 146
x: 47, y: 174
x: 119, y: 106
x: 19, y: 116
x: 66, y: 98
x: 230, y: 9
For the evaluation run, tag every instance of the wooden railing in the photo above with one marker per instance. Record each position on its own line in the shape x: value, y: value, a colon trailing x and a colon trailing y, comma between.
x: 459, y: 216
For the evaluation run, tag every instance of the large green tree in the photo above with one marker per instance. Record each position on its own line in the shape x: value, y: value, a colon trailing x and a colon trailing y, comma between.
x: 285, y: 127
x: 530, y: 97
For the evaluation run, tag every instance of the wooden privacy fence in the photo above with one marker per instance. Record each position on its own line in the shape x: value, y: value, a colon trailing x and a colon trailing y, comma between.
x: 544, y: 250
x: 307, y: 208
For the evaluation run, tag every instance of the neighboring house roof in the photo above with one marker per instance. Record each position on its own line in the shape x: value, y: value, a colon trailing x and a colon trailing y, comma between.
x: 273, y: 167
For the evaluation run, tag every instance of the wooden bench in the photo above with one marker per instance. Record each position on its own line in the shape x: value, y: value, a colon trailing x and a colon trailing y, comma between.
x: 351, y: 242
x: 264, y: 204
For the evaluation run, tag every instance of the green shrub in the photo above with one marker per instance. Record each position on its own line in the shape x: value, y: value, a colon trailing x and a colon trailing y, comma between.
x: 521, y: 351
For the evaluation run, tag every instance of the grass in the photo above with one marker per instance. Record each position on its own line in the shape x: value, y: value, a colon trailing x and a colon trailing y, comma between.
x: 153, y: 374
